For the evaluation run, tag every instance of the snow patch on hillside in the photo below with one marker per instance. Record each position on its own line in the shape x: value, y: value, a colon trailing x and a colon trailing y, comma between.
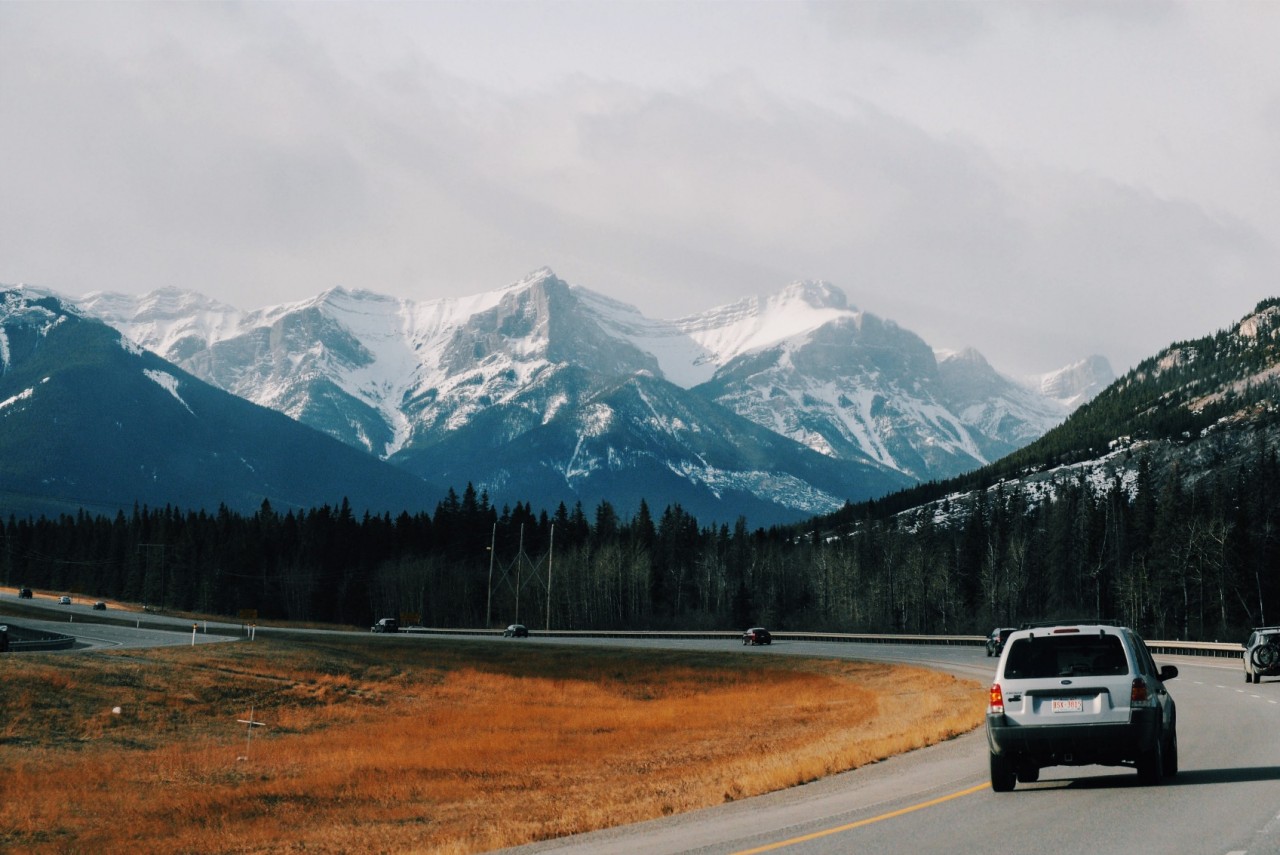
x: 21, y: 396
x: 169, y: 383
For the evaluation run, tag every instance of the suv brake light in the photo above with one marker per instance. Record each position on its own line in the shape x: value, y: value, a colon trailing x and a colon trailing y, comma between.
x: 996, y: 705
x: 1140, y: 695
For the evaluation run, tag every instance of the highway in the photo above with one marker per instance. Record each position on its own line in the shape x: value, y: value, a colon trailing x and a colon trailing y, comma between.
x: 111, y: 628
x: 1225, y: 799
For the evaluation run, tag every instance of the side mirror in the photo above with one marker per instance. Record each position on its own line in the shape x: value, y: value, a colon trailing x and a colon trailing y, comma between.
x: 1168, y: 672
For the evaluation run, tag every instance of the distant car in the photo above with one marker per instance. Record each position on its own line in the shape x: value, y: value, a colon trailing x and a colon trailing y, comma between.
x: 757, y: 635
x: 516, y: 630
x: 24, y: 593
x: 64, y: 601
x: 387, y: 624
x: 997, y: 638
x: 99, y: 606
x: 1262, y: 654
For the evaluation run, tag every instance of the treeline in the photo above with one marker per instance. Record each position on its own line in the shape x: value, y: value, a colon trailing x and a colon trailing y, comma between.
x: 1174, y: 560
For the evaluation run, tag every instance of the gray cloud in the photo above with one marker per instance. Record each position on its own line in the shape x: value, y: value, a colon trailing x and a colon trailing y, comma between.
x: 921, y: 160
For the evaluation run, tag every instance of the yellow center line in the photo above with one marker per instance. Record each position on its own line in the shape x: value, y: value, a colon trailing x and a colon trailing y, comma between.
x: 890, y: 815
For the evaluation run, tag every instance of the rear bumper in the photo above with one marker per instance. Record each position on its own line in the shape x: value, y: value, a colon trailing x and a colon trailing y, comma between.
x: 1075, y: 744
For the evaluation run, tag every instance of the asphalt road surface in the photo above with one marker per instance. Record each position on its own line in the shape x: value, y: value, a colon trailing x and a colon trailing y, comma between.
x: 112, y: 628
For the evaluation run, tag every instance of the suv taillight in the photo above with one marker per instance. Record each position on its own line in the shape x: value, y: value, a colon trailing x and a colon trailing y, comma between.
x: 1140, y: 695
x: 996, y: 705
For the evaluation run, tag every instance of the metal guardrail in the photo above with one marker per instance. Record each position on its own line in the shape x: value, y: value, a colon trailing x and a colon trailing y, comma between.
x: 22, y: 639
x: 720, y: 635
x: 1214, y: 649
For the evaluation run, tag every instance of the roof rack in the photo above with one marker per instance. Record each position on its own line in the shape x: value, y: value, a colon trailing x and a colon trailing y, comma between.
x: 1044, y: 624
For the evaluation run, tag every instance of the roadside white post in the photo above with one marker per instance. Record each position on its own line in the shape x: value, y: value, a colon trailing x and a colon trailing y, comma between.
x: 194, y: 626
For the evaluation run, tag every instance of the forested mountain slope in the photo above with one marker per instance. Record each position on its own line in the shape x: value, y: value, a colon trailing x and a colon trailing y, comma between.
x: 1157, y: 503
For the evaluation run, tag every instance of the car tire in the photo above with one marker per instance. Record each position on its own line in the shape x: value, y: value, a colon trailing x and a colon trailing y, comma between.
x: 1151, y: 764
x: 1248, y: 678
x: 1003, y: 776
x: 1028, y: 774
x: 1171, y: 755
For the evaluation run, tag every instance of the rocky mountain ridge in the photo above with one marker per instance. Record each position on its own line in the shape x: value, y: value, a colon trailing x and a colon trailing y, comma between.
x: 399, y: 378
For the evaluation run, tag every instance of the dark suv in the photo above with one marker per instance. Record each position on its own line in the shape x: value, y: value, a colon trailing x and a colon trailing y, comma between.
x: 1262, y: 654
x: 1080, y: 695
x: 997, y: 638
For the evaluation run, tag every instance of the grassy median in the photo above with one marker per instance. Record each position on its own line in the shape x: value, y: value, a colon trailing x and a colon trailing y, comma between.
x: 413, y: 745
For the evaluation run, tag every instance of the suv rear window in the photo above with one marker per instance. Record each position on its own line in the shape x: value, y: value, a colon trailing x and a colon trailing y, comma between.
x: 1065, y: 656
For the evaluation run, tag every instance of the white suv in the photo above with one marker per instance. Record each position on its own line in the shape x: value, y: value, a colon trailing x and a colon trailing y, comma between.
x: 1079, y: 694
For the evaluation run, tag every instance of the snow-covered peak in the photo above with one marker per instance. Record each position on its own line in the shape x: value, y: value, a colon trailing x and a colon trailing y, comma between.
x: 163, y: 318
x: 965, y: 356
x: 1076, y: 383
x: 814, y: 293
x: 542, y: 274
x: 690, y: 349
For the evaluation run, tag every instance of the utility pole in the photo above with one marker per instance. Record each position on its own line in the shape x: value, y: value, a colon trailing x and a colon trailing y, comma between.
x: 550, y: 552
x: 488, y: 603
x: 518, y: 569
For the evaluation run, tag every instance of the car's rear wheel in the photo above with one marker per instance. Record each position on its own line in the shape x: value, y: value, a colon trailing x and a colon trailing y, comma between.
x: 1028, y: 774
x: 1171, y: 755
x: 1003, y: 776
x: 1151, y: 763
x: 1248, y: 678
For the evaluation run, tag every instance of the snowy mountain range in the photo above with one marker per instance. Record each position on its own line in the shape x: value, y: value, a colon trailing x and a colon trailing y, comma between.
x: 89, y: 421
x: 542, y: 391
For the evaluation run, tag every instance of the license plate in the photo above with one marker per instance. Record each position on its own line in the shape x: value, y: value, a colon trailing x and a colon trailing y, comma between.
x: 1066, y: 705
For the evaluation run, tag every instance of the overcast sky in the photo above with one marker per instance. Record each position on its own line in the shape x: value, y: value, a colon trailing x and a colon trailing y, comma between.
x: 1040, y: 181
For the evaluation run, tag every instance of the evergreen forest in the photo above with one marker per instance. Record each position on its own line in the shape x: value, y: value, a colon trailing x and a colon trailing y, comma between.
x: 1175, y: 558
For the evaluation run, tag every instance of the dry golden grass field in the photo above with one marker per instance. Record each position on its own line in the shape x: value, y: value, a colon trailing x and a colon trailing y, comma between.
x: 397, y: 744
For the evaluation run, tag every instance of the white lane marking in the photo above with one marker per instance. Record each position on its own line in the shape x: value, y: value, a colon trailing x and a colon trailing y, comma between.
x: 106, y: 641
